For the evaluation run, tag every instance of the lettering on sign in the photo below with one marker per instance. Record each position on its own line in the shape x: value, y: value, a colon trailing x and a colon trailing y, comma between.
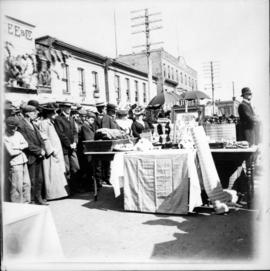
x: 18, y: 31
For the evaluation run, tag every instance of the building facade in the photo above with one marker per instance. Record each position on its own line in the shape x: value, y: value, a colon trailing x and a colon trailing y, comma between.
x: 54, y: 70
x: 173, y: 73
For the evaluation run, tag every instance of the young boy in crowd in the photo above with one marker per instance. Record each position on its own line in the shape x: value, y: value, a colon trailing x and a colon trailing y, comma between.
x: 18, y: 175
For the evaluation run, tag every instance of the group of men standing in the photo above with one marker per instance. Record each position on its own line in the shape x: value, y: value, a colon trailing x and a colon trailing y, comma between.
x: 32, y: 139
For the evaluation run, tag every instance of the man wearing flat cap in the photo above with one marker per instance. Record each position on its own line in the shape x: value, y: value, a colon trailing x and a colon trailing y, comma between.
x: 247, y: 117
x: 35, y: 152
x: 66, y: 130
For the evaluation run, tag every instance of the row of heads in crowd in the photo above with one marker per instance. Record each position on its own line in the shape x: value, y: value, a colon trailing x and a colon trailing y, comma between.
x: 34, y: 110
x: 71, y: 108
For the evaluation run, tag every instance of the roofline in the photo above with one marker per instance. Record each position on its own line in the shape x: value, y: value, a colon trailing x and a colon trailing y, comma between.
x: 130, y: 68
x: 19, y: 21
x: 69, y: 46
x: 54, y: 41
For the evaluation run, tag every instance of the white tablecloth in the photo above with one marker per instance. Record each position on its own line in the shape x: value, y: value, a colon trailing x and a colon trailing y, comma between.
x: 29, y: 233
x: 162, y: 181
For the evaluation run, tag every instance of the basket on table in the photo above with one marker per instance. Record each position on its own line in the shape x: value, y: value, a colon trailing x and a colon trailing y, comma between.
x: 102, y: 145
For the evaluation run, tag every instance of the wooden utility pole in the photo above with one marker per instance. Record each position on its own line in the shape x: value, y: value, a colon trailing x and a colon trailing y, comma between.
x: 210, y: 70
x: 147, y: 29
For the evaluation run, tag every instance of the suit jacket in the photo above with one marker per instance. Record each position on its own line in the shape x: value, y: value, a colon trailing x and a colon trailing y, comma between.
x: 109, y: 122
x: 247, y: 116
x: 66, y: 131
x: 247, y: 123
x: 34, y: 140
x: 87, y: 131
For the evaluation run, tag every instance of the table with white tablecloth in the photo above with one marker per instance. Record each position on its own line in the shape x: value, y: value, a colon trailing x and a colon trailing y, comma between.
x: 29, y: 233
x: 159, y: 181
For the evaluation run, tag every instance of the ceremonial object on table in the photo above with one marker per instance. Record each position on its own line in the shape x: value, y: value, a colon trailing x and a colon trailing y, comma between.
x: 210, y: 177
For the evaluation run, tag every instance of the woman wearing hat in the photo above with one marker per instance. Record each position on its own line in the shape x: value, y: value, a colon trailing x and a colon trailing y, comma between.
x: 54, y: 165
x: 123, y: 121
x: 139, y: 125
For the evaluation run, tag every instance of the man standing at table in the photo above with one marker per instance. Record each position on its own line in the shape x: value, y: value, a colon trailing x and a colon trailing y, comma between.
x: 66, y: 130
x: 247, y: 117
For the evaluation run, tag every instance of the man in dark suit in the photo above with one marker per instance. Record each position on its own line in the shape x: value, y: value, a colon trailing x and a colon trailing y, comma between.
x: 66, y: 130
x: 247, y: 117
x: 35, y: 152
x: 108, y: 120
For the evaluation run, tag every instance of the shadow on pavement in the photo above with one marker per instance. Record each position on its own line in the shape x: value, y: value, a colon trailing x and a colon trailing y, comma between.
x: 106, y: 200
x: 208, y: 237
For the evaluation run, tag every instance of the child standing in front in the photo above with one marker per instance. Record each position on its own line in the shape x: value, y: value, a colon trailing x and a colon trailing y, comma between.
x: 18, y: 175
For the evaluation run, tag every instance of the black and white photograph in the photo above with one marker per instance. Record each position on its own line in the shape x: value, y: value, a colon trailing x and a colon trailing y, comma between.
x: 134, y: 135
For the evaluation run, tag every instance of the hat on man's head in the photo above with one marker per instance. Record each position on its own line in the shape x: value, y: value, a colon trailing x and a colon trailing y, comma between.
x: 49, y: 108
x: 65, y: 104
x: 111, y: 107
x: 33, y: 103
x: 82, y: 112
x: 245, y: 91
x: 28, y: 108
x: 100, y: 104
x: 12, y: 122
x: 90, y: 114
x: 122, y: 112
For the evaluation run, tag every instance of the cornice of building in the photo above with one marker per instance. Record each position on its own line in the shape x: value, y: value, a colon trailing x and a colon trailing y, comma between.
x: 49, y: 41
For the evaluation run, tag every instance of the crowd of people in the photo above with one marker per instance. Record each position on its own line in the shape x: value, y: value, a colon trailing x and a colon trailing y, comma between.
x: 44, y: 147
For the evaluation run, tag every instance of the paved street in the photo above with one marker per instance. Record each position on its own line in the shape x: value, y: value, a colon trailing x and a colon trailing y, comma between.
x: 102, y: 230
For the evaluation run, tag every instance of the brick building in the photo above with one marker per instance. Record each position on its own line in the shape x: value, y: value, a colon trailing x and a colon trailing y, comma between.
x: 173, y: 73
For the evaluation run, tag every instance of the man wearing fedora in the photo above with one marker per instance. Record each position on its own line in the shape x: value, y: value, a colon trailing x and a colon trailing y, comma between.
x: 247, y: 117
x: 66, y: 130
x: 35, y: 152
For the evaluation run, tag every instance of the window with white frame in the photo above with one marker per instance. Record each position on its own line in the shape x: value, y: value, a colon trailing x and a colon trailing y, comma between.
x: 136, y: 91
x: 117, y: 87
x: 164, y: 70
x: 128, y: 89
x: 172, y: 74
x: 177, y: 78
x: 65, y: 78
x: 81, y: 86
x: 185, y: 79
x: 95, y: 81
x: 169, y: 72
x: 181, y: 77
x: 144, y: 93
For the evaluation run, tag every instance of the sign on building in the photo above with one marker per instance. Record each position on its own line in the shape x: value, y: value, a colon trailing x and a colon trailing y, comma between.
x: 19, y: 53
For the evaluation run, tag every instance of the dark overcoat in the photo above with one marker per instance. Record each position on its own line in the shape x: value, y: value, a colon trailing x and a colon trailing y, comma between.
x: 247, y: 121
x: 137, y: 128
x: 66, y: 131
x: 34, y: 140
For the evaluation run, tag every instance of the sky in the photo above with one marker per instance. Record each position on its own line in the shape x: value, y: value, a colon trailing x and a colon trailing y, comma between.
x: 233, y: 33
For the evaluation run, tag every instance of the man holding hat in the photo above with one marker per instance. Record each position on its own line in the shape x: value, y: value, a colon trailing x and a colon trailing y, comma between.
x: 35, y: 152
x: 18, y: 176
x: 247, y: 117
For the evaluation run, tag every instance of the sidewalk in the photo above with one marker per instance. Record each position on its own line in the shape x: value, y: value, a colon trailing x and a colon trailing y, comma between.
x: 103, y: 231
